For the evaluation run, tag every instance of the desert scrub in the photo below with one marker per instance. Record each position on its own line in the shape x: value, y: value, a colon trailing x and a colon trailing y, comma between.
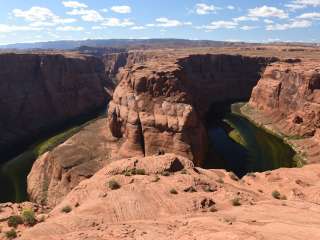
x: 11, y: 234
x: 184, y: 171
x: 236, y: 202
x: 14, y: 221
x: 277, y: 195
x: 113, y: 185
x: 173, y: 191
x: 165, y: 173
x: 66, y: 209
x: 28, y: 217
x: 135, y: 171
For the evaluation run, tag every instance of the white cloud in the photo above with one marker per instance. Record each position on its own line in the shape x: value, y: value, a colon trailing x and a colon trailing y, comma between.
x: 115, y: 22
x: 247, y: 28
x: 294, y: 7
x: 74, y: 4
x: 230, y: 7
x: 165, y: 22
x: 104, y: 10
x: 121, y: 9
x: 138, y: 28
x: 203, y: 9
x: 268, y: 21
x: 291, y: 25
x: 313, y: 3
x: 313, y: 15
x: 87, y: 15
x: 245, y: 18
x: 40, y: 16
x: 266, y: 11
x: 220, y: 24
x: 69, y: 28
x: 13, y: 28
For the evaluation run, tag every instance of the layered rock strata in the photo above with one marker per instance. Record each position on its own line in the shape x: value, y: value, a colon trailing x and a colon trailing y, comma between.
x: 161, y: 105
x: 39, y: 91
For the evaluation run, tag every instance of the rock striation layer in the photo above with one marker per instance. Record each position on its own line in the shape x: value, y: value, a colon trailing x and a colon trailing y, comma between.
x: 287, y: 101
x: 39, y: 91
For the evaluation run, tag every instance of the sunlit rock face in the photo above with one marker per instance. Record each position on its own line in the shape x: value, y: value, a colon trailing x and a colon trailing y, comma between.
x: 160, y: 105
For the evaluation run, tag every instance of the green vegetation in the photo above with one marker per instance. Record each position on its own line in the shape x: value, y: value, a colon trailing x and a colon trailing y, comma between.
x: 275, y: 194
x: 165, y: 173
x: 184, y: 171
x: 113, y: 185
x: 236, y: 202
x: 12, y: 234
x: 134, y: 171
x: 16, y: 170
x: 173, y: 191
x: 28, y: 217
x: 14, y: 221
x: 66, y: 209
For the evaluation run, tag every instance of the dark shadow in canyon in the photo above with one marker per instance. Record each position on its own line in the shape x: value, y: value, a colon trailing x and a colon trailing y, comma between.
x: 17, y: 163
x: 237, y: 145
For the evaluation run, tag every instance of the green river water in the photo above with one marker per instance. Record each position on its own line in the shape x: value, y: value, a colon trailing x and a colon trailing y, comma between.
x: 238, y: 145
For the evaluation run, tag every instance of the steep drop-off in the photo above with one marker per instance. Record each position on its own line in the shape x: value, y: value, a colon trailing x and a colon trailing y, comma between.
x: 42, y: 91
x: 160, y: 106
x: 287, y: 101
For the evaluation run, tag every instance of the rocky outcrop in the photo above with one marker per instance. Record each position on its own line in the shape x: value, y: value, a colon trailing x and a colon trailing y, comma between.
x: 57, y: 172
x: 161, y: 105
x: 173, y: 199
x: 40, y: 91
x: 289, y: 93
x: 286, y: 101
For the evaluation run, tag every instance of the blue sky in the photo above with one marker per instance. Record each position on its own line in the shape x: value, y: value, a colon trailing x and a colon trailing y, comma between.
x: 227, y: 20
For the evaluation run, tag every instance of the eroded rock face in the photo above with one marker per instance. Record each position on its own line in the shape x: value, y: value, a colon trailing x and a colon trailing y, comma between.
x: 289, y: 95
x: 57, y: 172
x: 161, y: 105
x: 40, y: 91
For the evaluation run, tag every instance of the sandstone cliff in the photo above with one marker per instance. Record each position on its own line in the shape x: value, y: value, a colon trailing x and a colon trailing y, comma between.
x: 39, y: 91
x: 287, y: 101
x: 160, y: 105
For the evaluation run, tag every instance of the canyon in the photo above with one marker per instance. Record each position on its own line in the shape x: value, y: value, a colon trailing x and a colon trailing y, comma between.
x: 153, y: 141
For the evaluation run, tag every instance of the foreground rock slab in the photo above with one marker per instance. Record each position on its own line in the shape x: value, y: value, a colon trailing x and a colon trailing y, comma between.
x: 166, y: 197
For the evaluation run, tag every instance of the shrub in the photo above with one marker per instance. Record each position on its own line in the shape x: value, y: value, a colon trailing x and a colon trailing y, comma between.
x: 207, y: 188
x: 276, y: 194
x: 190, y: 189
x: 183, y: 171
x: 113, y: 185
x: 14, y: 221
x: 11, y: 234
x: 236, y: 202
x: 213, y: 209
x: 140, y: 171
x: 165, y: 173
x: 173, y: 191
x: 28, y: 217
x: 66, y: 209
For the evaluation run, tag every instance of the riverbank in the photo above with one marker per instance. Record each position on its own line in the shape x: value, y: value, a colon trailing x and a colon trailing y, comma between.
x: 14, y: 172
x: 265, y: 122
